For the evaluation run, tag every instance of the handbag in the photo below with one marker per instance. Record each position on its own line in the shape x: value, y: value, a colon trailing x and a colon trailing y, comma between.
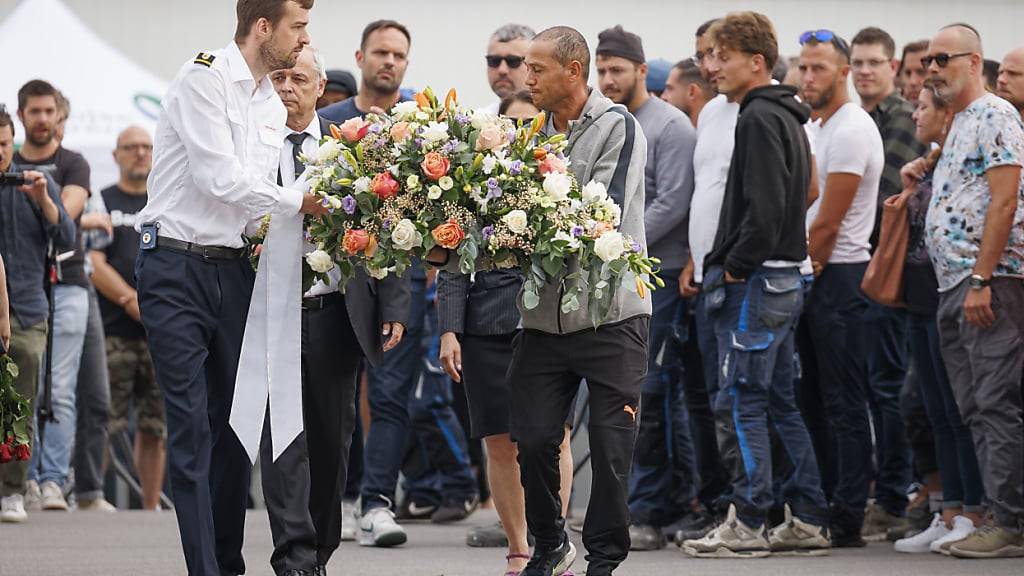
x: 883, y: 279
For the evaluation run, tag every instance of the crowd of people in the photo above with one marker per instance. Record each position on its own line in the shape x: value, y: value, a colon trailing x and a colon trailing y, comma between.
x: 760, y: 403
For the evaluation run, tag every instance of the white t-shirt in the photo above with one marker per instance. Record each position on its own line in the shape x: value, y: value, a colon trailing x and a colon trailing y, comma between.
x: 849, y: 143
x: 716, y: 136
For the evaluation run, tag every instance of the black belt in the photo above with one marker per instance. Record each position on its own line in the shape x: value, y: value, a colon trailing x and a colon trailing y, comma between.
x: 208, y: 252
x: 321, y: 302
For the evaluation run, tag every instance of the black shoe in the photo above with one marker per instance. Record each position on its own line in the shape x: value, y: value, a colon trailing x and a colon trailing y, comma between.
x: 693, y: 526
x: 551, y: 562
x: 645, y: 537
x: 412, y: 511
x: 453, y: 510
x: 320, y: 570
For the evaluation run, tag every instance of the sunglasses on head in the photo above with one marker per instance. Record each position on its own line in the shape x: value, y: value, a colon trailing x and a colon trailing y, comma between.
x: 512, y: 61
x: 826, y: 36
x: 942, y: 58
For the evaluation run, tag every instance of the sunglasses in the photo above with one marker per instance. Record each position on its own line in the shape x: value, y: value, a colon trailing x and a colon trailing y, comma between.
x: 942, y: 59
x: 512, y: 61
x: 826, y: 36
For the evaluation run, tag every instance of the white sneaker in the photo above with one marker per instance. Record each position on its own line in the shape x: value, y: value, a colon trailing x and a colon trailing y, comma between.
x: 378, y: 528
x: 53, y: 496
x: 12, y: 509
x: 33, y: 497
x: 349, y: 521
x: 962, y: 528
x: 731, y: 539
x: 919, y: 543
x: 97, y: 505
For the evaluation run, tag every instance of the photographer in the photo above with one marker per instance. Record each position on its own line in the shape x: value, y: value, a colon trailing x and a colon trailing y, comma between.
x: 30, y: 215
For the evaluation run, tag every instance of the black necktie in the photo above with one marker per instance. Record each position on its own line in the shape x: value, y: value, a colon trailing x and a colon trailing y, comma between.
x: 297, y: 139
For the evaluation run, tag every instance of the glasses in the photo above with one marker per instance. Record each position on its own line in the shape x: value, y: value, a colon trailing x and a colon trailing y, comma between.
x: 512, y: 61
x: 826, y: 36
x: 942, y: 59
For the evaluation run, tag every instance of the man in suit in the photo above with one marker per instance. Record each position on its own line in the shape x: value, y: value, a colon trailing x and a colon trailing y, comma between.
x: 338, y: 331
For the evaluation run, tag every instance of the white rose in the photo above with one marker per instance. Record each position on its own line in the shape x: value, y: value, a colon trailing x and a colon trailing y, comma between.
x: 612, y: 209
x: 481, y: 119
x: 320, y: 261
x: 594, y: 192
x: 516, y: 221
x: 403, y: 109
x: 563, y: 235
x: 557, y: 185
x: 361, y: 185
x: 446, y: 182
x: 609, y: 246
x: 435, y: 132
x: 377, y: 273
x: 405, y: 236
x: 434, y: 192
x: 329, y: 150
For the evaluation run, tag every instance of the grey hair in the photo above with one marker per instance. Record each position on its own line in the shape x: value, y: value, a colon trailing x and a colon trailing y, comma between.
x: 321, y: 65
x: 510, y: 32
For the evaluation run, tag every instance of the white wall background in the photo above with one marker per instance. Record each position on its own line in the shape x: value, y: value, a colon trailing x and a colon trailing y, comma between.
x: 449, y: 36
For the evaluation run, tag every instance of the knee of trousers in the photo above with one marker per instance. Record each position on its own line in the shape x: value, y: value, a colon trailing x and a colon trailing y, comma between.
x: 536, y: 443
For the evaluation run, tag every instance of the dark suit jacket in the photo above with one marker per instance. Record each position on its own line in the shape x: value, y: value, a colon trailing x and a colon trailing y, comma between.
x: 372, y: 302
x: 485, y: 306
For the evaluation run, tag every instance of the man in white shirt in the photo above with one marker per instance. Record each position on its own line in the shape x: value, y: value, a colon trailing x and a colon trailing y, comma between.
x: 338, y: 331
x: 506, y: 53
x: 214, y: 168
x: 850, y: 160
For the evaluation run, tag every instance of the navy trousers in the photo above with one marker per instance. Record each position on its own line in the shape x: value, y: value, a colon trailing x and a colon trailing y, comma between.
x: 194, y: 311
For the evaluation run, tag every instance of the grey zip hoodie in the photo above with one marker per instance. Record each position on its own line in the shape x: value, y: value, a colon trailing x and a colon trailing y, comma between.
x: 605, y: 144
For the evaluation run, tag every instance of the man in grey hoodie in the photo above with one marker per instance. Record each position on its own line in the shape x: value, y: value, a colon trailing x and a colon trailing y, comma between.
x: 556, y: 350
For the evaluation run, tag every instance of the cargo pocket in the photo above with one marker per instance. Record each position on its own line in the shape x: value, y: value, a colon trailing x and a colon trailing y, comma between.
x: 780, y: 301
x: 746, y: 360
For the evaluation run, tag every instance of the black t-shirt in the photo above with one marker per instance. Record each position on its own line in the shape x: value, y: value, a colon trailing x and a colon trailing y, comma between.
x: 121, y: 253
x: 67, y: 168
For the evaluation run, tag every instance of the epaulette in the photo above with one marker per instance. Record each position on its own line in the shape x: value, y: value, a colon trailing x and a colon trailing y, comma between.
x: 204, y: 59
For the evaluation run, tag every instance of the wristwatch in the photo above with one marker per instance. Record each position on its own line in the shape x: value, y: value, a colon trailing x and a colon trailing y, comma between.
x: 977, y: 282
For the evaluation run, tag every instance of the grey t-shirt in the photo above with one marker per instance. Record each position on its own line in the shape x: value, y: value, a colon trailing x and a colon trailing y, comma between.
x: 668, y: 180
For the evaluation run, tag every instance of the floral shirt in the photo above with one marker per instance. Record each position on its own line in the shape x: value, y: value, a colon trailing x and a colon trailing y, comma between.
x: 986, y: 134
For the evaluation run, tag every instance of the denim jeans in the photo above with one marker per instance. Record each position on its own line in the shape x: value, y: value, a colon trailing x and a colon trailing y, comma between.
x: 835, y: 318
x: 93, y: 407
x: 664, y: 478
x: 70, y: 318
x: 754, y: 324
x: 954, y: 445
x: 390, y: 387
x: 886, y: 338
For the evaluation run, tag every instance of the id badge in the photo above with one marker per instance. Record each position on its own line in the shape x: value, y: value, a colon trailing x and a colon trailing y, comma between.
x: 148, y: 234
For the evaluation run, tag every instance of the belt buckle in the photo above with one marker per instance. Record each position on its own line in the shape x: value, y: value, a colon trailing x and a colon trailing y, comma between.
x: 206, y: 253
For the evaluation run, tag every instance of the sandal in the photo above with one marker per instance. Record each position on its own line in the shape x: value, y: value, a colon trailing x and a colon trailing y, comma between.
x: 513, y: 556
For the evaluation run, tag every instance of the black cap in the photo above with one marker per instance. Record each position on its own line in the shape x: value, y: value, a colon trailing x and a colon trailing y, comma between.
x: 341, y: 80
x: 618, y: 42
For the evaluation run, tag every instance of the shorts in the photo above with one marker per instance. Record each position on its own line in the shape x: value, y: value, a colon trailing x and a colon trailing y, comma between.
x: 132, y: 381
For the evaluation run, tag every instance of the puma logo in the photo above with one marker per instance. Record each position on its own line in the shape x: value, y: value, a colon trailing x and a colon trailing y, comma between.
x: 630, y: 410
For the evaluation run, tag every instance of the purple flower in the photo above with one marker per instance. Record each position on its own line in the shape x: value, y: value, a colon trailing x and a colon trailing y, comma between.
x: 376, y: 128
x: 419, y: 142
x: 577, y: 231
x: 307, y: 235
x: 492, y: 183
x: 326, y: 202
x: 450, y: 147
x: 462, y: 119
x: 637, y: 248
x: 348, y: 204
x: 488, y: 232
x: 493, y: 193
x: 547, y: 147
x: 511, y: 135
x: 516, y: 168
x: 386, y: 224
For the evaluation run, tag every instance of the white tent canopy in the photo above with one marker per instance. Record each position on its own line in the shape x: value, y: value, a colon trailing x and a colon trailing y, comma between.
x: 108, y: 92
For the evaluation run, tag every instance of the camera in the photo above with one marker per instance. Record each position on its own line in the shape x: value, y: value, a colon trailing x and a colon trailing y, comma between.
x: 12, y: 178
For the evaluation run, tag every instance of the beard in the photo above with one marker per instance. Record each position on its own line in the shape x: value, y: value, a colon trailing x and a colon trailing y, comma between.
x: 43, y: 140
x: 275, y: 58
x: 384, y: 86
x: 823, y: 100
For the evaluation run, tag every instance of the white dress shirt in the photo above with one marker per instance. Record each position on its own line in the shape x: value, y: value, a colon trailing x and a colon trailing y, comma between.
x: 215, y: 153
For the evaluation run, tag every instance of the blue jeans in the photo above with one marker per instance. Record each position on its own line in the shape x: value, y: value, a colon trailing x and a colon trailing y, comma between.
x: 70, y: 318
x: 390, y: 387
x: 886, y: 340
x: 442, y: 469
x: 754, y: 323
x: 725, y: 434
x: 664, y: 478
x: 954, y: 446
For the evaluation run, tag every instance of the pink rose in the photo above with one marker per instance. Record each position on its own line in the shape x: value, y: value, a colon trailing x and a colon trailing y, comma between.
x: 491, y: 138
x: 354, y: 129
x: 399, y: 131
x: 384, y: 185
x: 435, y: 165
x: 552, y: 163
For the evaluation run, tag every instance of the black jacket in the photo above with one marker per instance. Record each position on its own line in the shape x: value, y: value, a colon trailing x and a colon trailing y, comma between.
x: 765, y: 201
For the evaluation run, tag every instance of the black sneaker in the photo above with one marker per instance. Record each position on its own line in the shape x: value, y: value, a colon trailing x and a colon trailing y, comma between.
x: 645, y: 537
x: 552, y: 562
x: 453, y: 510
x: 412, y: 511
x: 490, y: 536
x: 693, y: 526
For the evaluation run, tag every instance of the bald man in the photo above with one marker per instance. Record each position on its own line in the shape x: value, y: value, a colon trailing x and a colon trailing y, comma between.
x: 975, y: 234
x: 1010, y: 84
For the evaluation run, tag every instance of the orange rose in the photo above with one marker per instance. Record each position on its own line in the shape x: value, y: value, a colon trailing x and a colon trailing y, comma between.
x: 399, y: 131
x: 435, y: 165
x: 354, y: 241
x: 384, y: 185
x: 448, y: 235
x: 601, y: 228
